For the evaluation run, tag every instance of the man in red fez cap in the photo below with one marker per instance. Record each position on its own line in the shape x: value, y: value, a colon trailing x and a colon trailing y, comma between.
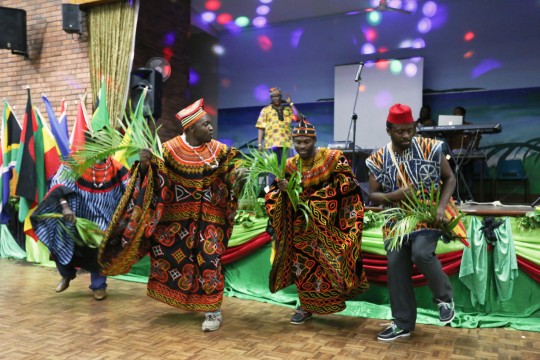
x: 406, y: 164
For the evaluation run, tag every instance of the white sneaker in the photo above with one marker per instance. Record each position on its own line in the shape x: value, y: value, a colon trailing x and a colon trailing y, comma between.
x: 212, y: 322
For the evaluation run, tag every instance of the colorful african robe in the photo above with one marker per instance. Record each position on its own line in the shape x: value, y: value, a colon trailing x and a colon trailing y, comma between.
x: 181, y: 212
x: 94, y: 196
x: 322, y: 256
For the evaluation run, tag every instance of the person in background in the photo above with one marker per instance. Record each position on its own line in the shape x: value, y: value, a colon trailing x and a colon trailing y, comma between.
x: 424, y: 118
x: 320, y: 255
x: 463, y: 141
x: 404, y: 165
x: 181, y: 210
x: 94, y: 196
x: 274, y: 124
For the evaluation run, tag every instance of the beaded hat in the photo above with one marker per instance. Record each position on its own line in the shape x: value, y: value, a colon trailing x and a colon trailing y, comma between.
x: 400, y: 114
x: 304, y: 128
x: 191, y: 114
x: 275, y: 90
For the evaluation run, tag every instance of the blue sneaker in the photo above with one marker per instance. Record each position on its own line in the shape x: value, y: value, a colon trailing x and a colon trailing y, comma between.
x: 446, y: 311
x: 392, y: 333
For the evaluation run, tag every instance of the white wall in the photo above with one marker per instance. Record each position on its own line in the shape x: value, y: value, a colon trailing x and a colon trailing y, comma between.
x: 300, y: 56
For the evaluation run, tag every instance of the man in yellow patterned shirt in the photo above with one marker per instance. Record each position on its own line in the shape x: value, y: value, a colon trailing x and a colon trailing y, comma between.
x: 274, y: 123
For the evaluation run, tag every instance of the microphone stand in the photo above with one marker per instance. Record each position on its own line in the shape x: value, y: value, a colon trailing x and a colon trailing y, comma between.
x: 354, y: 117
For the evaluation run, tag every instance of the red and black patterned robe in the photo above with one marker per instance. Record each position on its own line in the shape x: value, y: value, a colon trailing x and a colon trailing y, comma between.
x: 182, y: 213
x: 321, y: 257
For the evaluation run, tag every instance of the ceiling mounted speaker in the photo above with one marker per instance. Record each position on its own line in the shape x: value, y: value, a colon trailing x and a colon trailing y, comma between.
x: 161, y: 65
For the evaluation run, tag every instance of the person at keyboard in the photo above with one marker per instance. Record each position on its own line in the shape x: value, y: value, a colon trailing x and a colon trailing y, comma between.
x: 463, y: 142
x: 424, y: 119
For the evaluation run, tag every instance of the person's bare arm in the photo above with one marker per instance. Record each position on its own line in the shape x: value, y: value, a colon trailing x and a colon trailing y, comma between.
x: 378, y: 197
x: 260, y: 137
x: 447, y: 188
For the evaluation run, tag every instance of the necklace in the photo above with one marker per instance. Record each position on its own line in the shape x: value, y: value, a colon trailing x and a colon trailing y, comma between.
x: 213, y: 165
x: 104, y: 178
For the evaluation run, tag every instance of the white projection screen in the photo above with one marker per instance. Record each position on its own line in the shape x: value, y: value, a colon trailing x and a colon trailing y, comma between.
x: 383, y: 83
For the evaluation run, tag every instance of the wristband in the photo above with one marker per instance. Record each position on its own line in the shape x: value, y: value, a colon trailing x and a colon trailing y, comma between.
x: 291, y: 104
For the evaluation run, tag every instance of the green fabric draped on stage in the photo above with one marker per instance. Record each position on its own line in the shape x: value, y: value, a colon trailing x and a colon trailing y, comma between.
x: 247, y: 278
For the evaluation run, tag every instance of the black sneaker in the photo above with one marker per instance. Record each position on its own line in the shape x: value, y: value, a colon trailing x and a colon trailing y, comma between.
x: 392, y: 333
x: 446, y: 311
x: 300, y: 315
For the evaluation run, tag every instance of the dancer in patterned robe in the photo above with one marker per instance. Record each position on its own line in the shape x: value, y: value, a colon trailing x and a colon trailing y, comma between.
x: 322, y: 256
x: 94, y: 196
x: 181, y: 210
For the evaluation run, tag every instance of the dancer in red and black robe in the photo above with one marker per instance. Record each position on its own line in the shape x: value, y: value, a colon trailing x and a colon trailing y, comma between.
x: 321, y: 256
x: 181, y: 210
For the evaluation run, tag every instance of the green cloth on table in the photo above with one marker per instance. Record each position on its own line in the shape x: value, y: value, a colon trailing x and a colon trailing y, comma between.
x: 475, y: 265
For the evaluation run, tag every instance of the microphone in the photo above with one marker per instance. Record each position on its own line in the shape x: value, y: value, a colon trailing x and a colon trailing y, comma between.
x: 357, y: 78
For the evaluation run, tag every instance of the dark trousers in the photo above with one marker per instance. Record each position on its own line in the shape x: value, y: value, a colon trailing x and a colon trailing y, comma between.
x: 279, y: 152
x: 85, y: 258
x: 420, y: 250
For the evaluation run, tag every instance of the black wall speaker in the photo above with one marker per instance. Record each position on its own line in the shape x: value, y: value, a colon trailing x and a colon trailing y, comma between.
x: 146, y: 77
x: 13, y: 30
x: 71, y: 19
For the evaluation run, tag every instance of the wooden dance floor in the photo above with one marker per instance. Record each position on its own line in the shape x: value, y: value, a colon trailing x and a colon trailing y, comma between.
x: 37, y: 323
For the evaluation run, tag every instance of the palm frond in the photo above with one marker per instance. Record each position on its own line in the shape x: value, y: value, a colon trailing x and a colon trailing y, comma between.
x: 136, y: 134
x: 261, y: 163
x: 421, y: 206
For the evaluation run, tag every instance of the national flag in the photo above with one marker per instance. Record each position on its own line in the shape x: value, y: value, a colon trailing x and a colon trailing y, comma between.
x: 57, y: 130
x: 10, y: 138
x: 138, y: 115
x: 51, y: 152
x: 100, y: 118
x: 78, y: 136
x: 63, y: 119
x: 31, y: 182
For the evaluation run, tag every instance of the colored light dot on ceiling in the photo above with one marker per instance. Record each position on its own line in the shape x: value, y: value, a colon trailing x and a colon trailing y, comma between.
x: 266, y: 1
x: 469, y: 36
x: 259, y: 21
x: 224, y: 18
x: 193, y: 77
x: 424, y: 25
x: 241, y: 21
x: 468, y: 54
x: 429, y: 9
x: 218, y: 50
x: 396, y: 67
x: 367, y: 49
x: 264, y: 42
x: 262, y: 10
x: 382, y: 64
x: 374, y: 18
x: 208, y: 16
x: 411, y: 70
x: 371, y: 35
x: 225, y: 82
x: 418, y: 43
x: 212, y: 5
